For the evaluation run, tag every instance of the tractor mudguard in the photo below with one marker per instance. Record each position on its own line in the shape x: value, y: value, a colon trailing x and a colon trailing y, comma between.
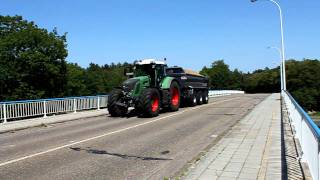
x: 166, y: 82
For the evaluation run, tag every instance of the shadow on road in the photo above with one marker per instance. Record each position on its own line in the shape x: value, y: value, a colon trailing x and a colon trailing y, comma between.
x: 124, y: 156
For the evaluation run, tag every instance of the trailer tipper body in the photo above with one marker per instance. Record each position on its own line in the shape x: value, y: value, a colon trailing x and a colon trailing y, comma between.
x: 194, y: 86
x: 155, y: 86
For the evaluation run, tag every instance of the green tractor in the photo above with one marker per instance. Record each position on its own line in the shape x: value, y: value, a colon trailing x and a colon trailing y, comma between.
x: 148, y: 91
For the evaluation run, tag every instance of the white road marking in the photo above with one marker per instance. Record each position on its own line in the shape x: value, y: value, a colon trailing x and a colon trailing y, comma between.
x: 110, y: 133
x: 214, y: 136
x: 8, y: 146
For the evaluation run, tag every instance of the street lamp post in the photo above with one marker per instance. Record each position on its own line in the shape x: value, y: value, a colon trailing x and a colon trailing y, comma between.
x: 281, y: 73
x: 282, y: 43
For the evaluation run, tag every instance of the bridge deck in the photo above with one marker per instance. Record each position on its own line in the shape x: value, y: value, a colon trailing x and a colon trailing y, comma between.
x: 243, y: 131
x: 251, y: 150
x: 121, y: 148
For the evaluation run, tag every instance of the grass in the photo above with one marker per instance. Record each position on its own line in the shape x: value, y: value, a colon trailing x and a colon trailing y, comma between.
x: 315, y: 116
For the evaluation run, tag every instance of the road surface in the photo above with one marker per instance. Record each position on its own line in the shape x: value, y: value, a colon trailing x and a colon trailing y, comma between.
x: 120, y: 148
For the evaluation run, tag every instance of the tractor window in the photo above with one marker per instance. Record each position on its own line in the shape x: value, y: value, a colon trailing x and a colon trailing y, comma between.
x: 144, y: 70
x: 160, y: 71
x: 174, y: 71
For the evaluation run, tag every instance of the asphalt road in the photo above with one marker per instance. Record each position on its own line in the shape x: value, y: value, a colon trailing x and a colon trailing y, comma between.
x: 120, y: 148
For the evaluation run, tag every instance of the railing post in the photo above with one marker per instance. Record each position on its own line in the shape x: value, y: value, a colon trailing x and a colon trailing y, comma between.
x: 98, y: 103
x: 44, y: 109
x: 4, y: 113
x: 301, y: 133
x: 74, y: 105
x: 318, y: 168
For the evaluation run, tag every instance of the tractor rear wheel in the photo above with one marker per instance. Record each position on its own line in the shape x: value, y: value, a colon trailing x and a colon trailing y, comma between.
x: 148, y: 104
x: 114, y: 109
x: 175, y: 96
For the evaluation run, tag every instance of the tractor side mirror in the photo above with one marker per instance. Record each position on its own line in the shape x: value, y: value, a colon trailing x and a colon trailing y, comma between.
x: 128, y: 73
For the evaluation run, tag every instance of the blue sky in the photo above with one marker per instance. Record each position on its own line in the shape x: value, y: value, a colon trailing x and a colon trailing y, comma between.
x: 188, y: 33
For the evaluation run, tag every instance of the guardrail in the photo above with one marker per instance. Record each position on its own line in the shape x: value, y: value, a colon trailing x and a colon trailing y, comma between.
x: 307, y: 132
x: 214, y: 93
x: 13, y: 110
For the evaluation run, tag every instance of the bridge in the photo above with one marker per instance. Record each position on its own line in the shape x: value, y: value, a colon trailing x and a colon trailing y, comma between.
x: 235, y: 136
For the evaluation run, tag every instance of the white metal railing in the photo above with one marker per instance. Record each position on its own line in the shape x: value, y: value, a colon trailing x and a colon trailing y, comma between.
x: 43, y: 107
x: 306, y: 131
x: 214, y: 93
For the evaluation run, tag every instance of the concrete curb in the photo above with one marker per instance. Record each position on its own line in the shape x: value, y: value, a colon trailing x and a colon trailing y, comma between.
x: 35, y: 122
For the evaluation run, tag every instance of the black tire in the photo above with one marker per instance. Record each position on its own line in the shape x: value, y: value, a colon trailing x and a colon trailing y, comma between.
x: 144, y: 105
x: 205, y: 97
x: 199, y: 98
x: 175, y: 97
x: 193, y: 99
x: 114, y: 109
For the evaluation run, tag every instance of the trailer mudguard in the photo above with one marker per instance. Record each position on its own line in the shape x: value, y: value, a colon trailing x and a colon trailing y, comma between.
x: 166, y: 82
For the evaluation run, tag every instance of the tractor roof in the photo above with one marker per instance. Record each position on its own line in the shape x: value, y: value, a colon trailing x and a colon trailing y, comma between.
x: 150, y: 61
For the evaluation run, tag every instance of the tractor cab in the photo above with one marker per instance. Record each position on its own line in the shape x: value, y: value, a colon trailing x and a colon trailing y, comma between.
x: 151, y: 68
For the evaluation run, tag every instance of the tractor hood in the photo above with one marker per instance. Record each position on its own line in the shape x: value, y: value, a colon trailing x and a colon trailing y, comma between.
x: 135, y: 85
x: 129, y: 84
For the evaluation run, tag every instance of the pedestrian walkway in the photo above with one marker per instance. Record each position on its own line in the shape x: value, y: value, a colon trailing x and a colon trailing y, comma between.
x: 34, y: 122
x: 251, y: 150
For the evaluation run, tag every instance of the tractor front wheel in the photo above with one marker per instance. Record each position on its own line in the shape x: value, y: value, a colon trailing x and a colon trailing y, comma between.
x: 148, y: 104
x: 114, y: 109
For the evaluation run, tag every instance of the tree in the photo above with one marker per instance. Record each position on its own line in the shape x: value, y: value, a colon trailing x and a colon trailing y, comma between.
x: 219, y: 74
x: 101, y: 79
x: 95, y: 79
x: 32, y: 60
x: 76, y: 85
x: 221, y: 77
x: 303, y: 82
x: 262, y: 81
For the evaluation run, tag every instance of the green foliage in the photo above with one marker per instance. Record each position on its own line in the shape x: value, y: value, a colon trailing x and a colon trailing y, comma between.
x: 76, y: 85
x: 32, y: 60
x: 33, y: 65
x: 302, y: 80
x: 263, y: 81
x: 101, y: 79
x: 221, y: 77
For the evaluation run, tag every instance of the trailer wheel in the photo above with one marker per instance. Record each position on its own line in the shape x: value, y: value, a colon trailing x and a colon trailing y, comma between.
x: 205, y: 97
x: 148, y: 104
x: 114, y: 109
x: 175, y: 97
x: 199, y: 98
x: 193, y: 99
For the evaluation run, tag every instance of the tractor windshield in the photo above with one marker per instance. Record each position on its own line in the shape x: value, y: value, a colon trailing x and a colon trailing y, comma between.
x: 154, y: 71
x: 144, y: 70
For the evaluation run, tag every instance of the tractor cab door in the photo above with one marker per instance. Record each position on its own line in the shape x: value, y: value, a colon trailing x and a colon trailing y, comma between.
x: 160, y: 74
